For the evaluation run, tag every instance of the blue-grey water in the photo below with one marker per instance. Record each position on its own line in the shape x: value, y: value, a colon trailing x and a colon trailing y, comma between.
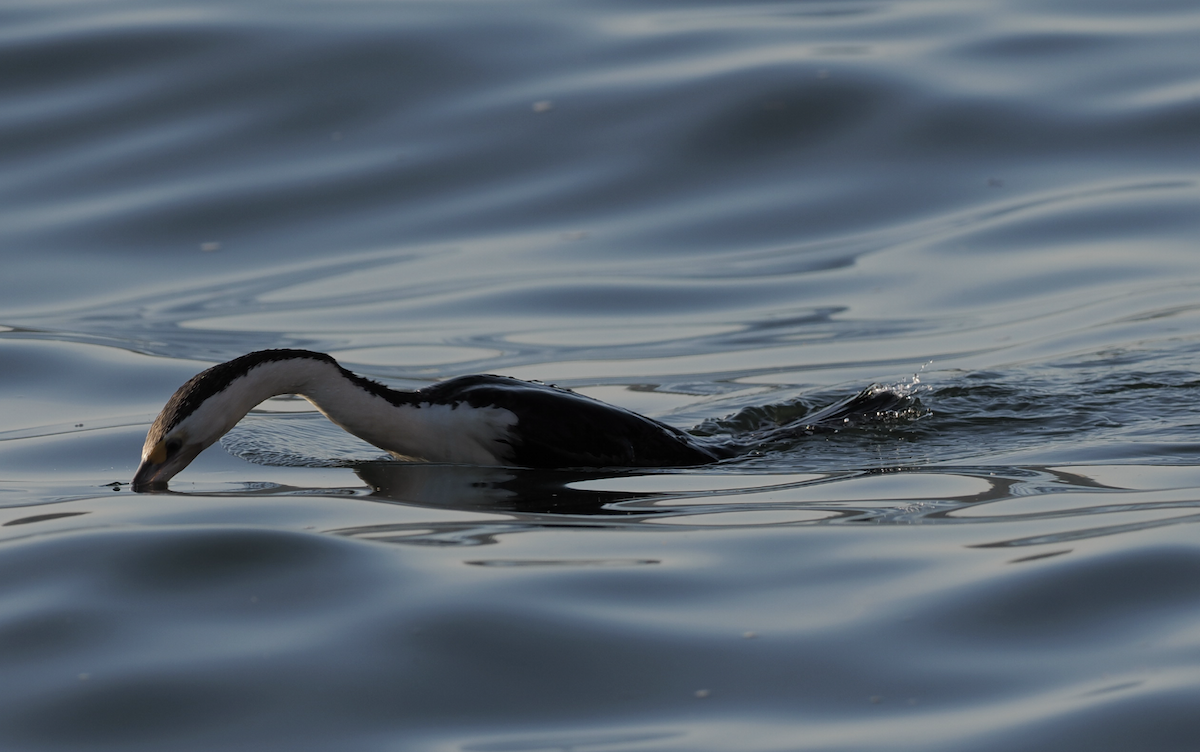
x: 721, y: 214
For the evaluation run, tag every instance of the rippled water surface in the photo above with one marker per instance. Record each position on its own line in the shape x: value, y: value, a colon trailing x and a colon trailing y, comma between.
x: 724, y: 215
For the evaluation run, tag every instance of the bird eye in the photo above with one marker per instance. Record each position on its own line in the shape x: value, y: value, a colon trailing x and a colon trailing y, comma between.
x: 173, y: 446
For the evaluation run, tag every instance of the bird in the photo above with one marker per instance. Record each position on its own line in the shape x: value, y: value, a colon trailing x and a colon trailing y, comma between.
x: 474, y: 420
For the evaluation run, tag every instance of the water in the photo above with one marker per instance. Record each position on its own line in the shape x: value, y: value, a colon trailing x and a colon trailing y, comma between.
x: 720, y: 214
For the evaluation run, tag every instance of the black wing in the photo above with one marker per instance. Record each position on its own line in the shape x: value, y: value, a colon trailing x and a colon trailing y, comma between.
x: 559, y: 428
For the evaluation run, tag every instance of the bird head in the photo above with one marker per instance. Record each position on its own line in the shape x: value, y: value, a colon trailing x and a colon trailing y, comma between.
x: 163, y: 456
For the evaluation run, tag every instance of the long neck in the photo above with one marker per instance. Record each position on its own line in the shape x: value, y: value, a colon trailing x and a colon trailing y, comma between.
x: 394, y: 425
x: 398, y: 423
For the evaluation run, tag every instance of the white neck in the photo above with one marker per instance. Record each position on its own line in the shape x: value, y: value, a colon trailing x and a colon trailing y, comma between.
x: 435, y: 433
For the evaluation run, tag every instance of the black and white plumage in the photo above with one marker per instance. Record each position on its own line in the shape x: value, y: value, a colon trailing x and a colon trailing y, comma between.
x: 478, y: 420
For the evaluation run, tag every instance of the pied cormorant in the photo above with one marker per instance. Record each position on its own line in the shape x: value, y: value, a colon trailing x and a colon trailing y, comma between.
x: 478, y: 420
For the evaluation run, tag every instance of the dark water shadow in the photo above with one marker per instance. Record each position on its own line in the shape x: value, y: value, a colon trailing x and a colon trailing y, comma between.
x: 532, y: 500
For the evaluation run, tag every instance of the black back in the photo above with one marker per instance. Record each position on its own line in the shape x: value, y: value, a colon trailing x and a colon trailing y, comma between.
x: 559, y: 428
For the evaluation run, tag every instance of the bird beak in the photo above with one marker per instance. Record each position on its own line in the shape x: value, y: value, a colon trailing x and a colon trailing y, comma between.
x: 146, y: 477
